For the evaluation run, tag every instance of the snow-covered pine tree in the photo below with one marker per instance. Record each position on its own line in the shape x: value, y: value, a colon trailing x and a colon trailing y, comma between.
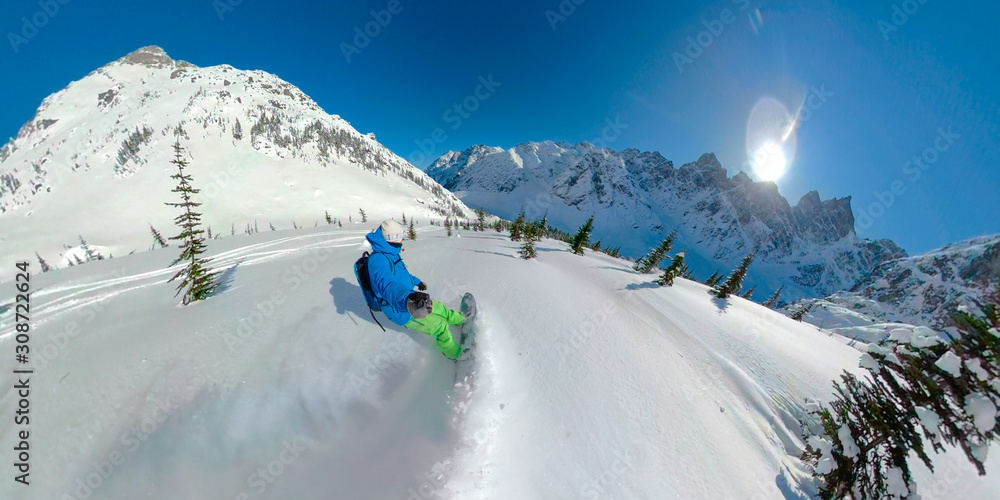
x: 800, y: 313
x: 582, y: 236
x: 774, y: 298
x: 447, y: 227
x: 596, y: 246
x: 749, y: 293
x: 197, y: 279
x: 675, y: 269
x: 364, y: 216
x: 517, y: 228
x: 918, y: 387
x: 404, y: 218
x: 45, y: 265
x: 649, y: 262
x: 735, y: 281
x: 714, y: 279
x: 209, y: 231
x: 329, y: 220
x: 157, y: 237
x: 238, y: 130
x: 91, y: 253
x: 412, y: 234
x: 544, y: 224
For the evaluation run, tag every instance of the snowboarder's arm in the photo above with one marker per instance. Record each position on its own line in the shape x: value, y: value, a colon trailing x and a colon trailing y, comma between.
x: 392, y: 291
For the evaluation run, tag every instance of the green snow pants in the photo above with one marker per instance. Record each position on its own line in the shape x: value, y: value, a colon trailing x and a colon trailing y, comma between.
x: 436, y: 325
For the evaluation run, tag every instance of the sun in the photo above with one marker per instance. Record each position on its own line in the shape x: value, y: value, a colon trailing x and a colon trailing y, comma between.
x: 769, y: 161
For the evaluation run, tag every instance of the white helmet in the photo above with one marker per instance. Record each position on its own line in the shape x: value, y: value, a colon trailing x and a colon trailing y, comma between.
x: 392, y: 231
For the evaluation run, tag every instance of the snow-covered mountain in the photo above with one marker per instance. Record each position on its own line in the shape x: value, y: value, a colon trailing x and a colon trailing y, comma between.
x: 638, y: 197
x: 591, y: 382
x: 920, y: 290
x: 94, y: 161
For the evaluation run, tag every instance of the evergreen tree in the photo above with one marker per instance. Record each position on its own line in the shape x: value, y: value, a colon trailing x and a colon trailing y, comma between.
x: 517, y: 228
x: 238, y: 130
x: 528, y: 247
x: 714, y: 279
x: 404, y: 218
x: 918, y: 388
x: 447, y: 227
x: 157, y: 237
x: 329, y: 220
x: 45, y: 265
x: 596, y: 246
x: 91, y: 253
x: 735, y: 281
x: 208, y: 230
x: 774, y: 298
x: 364, y: 216
x: 649, y: 262
x: 480, y: 219
x: 197, y: 279
x: 749, y: 293
x: 800, y: 313
x: 582, y: 236
x: 544, y: 223
x: 675, y: 269
x: 412, y: 234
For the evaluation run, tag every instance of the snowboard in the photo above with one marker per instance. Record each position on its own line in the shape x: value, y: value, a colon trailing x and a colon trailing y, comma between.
x: 467, y: 339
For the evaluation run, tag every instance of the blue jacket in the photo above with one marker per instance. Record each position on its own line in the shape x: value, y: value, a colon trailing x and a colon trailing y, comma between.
x: 391, y: 281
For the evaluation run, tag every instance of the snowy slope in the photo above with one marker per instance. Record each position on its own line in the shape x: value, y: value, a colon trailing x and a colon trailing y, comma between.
x: 94, y: 161
x: 591, y: 384
x: 920, y: 290
x: 639, y: 197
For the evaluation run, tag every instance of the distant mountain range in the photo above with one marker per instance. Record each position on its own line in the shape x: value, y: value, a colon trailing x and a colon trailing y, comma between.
x: 637, y: 198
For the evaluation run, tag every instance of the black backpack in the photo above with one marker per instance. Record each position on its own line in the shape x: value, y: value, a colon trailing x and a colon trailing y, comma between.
x: 371, y: 299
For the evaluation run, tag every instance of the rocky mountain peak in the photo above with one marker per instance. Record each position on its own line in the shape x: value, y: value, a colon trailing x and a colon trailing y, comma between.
x: 152, y: 56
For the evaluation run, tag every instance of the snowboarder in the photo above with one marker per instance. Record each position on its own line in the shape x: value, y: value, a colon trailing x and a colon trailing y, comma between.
x: 393, y: 285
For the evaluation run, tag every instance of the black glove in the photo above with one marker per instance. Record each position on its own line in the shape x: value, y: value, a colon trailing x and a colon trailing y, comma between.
x: 419, y: 305
x: 422, y: 286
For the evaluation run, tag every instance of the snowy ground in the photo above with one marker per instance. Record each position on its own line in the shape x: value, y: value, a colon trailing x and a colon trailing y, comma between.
x: 592, y: 383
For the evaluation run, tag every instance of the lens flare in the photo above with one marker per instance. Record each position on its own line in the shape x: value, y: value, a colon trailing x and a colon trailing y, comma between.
x: 770, y: 141
x: 769, y: 162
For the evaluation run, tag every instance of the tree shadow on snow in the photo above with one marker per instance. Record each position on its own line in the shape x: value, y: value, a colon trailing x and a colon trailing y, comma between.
x: 721, y: 304
x: 493, y: 253
x: 225, y: 280
x: 640, y: 286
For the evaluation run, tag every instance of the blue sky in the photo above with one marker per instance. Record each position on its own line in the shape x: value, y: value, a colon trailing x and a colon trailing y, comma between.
x: 892, y: 87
